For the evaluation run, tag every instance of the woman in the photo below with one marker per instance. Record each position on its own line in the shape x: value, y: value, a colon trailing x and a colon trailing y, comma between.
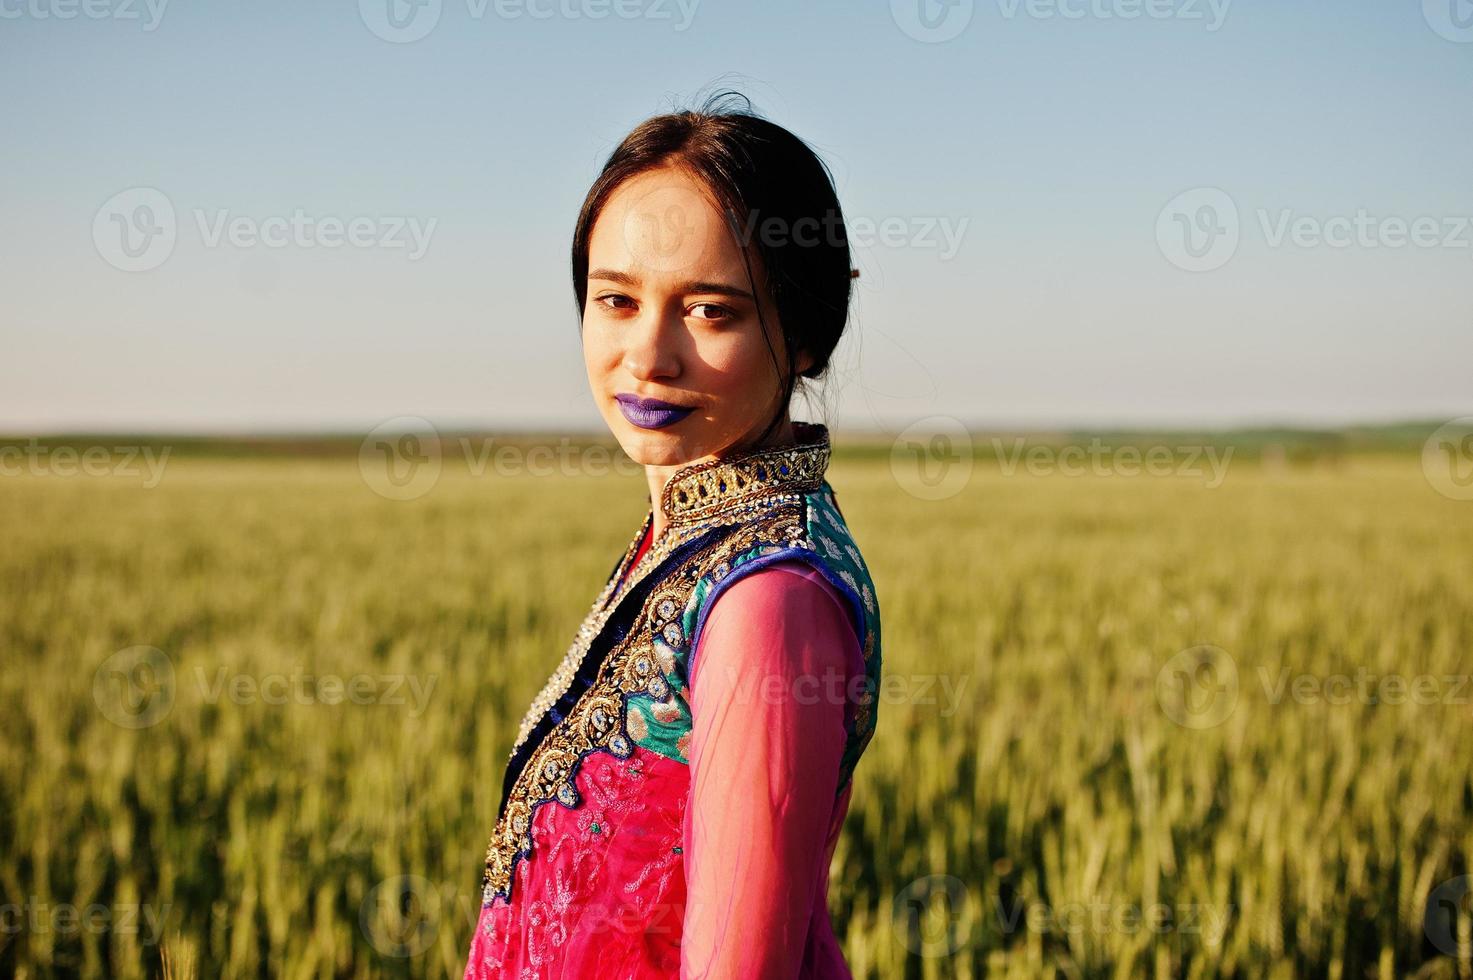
x: 675, y: 792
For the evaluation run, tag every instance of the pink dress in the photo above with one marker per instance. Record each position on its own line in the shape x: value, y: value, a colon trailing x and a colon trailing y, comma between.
x: 718, y: 869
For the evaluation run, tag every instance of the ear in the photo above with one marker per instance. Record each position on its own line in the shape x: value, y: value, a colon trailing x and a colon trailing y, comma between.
x: 803, y: 363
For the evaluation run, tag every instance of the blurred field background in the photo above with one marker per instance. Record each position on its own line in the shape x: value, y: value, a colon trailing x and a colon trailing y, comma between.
x: 1043, y: 782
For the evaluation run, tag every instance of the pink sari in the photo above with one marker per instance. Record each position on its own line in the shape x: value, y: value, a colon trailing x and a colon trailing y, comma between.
x: 718, y: 869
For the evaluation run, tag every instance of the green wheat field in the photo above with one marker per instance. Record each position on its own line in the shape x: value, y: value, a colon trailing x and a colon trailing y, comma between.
x: 256, y: 713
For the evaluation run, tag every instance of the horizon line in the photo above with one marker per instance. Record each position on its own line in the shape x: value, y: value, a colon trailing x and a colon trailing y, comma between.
x: 875, y: 428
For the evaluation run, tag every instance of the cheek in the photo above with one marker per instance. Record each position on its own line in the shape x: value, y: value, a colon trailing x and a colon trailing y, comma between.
x: 599, y: 351
x: 740, y: 369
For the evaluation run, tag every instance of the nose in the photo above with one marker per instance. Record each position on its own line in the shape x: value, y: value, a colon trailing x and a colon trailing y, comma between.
x: 651, y: 352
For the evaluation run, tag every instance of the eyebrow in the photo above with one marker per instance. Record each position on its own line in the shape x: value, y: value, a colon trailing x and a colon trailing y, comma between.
x: 717, y: 288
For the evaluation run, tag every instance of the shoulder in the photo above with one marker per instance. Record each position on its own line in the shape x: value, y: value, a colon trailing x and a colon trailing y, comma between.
x: 787, y: 614
x: 779, y: 591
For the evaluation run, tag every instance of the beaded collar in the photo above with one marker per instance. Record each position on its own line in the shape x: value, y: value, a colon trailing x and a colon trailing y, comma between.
x: 702, y: 491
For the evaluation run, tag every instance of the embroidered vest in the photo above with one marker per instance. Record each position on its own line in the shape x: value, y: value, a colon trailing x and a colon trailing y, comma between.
x: 623, y: 681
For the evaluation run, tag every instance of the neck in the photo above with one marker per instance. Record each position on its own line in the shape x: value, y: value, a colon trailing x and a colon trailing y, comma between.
x: 658, y: 476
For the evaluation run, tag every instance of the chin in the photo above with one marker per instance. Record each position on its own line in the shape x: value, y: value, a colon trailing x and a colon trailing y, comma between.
x: 655, y: 447
x: 647, y: 447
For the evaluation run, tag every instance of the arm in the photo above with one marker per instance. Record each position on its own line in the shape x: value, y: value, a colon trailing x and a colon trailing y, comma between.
x: 768, y: 680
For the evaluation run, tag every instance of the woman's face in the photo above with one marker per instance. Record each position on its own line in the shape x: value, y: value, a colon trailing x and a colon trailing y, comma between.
x: 675, y: 353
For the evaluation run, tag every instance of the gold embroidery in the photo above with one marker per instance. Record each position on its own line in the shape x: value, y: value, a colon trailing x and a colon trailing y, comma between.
x: 762, y: 491
x: 698, y: 491
x: 603, y: 608
x: 597, y: 720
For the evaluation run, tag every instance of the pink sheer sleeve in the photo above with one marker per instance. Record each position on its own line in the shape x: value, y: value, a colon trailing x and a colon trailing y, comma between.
x: 768, y: 681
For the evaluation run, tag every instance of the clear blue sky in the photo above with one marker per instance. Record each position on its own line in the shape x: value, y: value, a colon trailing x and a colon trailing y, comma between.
x: 1049, y: 136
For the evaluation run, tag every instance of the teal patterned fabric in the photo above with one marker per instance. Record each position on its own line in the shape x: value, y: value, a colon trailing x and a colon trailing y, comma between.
x: 821, y: 539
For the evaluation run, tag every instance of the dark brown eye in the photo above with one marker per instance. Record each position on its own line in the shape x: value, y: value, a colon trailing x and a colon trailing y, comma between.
x: 714, y: 312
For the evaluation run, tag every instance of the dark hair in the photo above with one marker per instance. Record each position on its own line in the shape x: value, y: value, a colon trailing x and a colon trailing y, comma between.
x: 778, y: 198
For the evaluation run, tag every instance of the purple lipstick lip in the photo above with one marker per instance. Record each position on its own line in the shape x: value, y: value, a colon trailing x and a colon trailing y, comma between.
x: 650, y: 413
